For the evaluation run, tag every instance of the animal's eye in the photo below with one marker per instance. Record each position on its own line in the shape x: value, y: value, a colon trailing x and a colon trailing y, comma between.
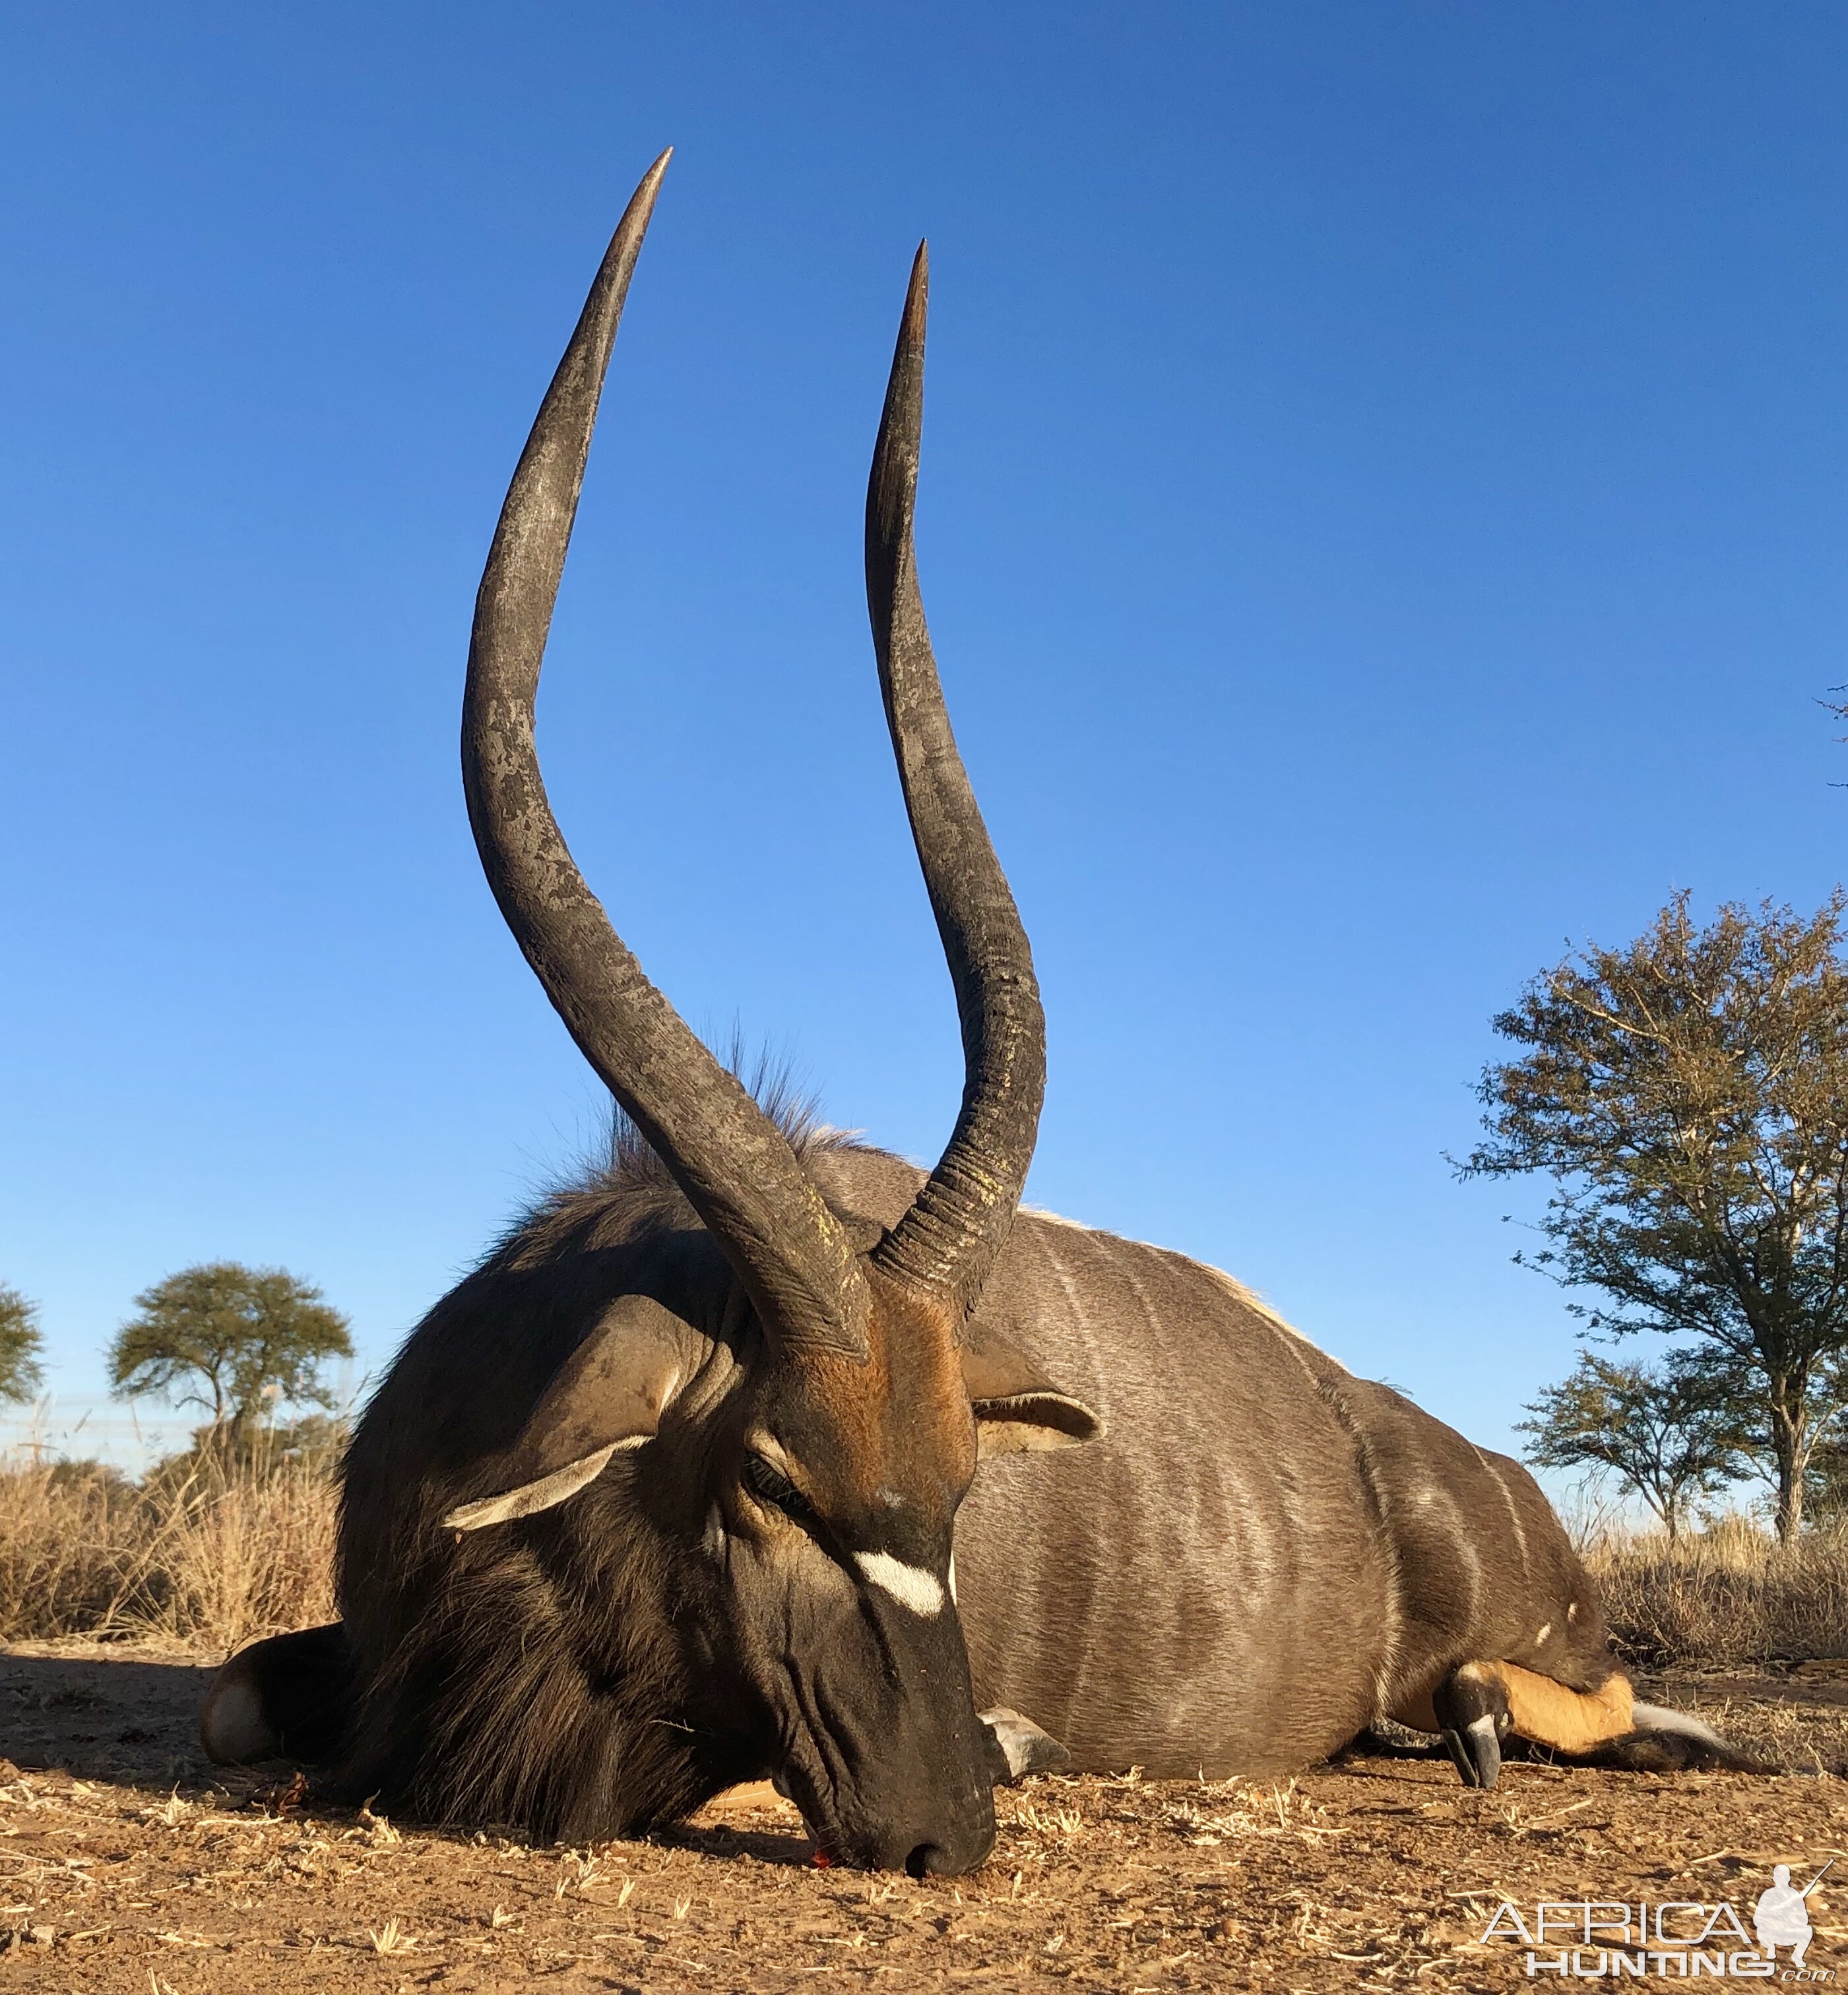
x: 770, y: 1485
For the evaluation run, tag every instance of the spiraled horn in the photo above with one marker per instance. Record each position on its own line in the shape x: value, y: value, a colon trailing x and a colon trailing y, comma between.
x: 947, y: 1242
x: 729, y: 1158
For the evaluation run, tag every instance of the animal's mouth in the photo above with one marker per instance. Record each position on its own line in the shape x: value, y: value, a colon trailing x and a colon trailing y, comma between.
x: 835, y: 1839
x: 822, y: 1858
x: 840, y: 1841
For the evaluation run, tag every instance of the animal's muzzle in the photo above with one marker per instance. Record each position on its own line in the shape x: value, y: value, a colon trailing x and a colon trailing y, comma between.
x: 943, y: 1842
x: 942, y: 1848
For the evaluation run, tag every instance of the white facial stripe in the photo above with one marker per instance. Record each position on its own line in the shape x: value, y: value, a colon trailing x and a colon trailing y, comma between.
x: 910, y: 1585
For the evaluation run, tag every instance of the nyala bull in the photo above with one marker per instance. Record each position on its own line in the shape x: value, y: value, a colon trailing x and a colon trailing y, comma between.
x: 768, y: 1454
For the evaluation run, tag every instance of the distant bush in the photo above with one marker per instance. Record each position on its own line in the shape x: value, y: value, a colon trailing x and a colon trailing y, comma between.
x: 65, y: 1472
x: 1724, y: 1597
x: 316, y: 1443
x: 210, y: 1549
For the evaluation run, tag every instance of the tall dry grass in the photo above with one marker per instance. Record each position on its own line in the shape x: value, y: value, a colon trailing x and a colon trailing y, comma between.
x: 205, y: 1551
x: 216, y: 1553
x: 1726, y: 1598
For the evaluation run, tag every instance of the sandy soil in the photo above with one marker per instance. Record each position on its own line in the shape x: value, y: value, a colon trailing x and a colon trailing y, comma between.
x: 128, y: 1864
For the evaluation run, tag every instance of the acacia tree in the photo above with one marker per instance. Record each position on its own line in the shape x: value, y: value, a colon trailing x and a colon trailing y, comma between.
x: 1826, y: 1405
x: 1669, y: 1432
x: 1688, y: 1094
x: 21, y: 1376
x: 233, y: 1339
x: 1826, y: 1495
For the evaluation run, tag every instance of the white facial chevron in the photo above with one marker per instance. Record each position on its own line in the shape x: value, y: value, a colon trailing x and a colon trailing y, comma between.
x: 910, y: 1585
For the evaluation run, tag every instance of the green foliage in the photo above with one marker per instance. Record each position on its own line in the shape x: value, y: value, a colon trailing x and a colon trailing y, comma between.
x: 1825, y: 1485
x: 1688, y: 1094
x: 1672, y: 1432
x: 235, y: 1341
x: 21, y: 1376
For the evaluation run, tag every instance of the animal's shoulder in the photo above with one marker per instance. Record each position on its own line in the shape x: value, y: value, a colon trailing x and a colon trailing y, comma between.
x: 1164, y: 1272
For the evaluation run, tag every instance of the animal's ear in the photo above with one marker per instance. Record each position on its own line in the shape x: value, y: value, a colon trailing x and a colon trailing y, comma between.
x: 1016, y: 1410
x: 609, y: 1395
x: 1020, y: 1747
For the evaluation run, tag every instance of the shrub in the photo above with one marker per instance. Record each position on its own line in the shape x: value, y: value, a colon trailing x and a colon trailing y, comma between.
x: 207, y: 1550
x: 1724, y: 1597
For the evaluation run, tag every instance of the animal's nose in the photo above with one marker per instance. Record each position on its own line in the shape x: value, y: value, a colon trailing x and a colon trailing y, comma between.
x: 953, y: 1852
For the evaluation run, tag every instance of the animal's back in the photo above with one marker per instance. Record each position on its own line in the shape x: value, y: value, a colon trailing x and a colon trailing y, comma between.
x: 1204, y: 1589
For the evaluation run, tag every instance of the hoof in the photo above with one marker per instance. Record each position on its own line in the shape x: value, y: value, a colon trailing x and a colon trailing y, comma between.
x: 1020, y: 1748
x: 1471, y: 1705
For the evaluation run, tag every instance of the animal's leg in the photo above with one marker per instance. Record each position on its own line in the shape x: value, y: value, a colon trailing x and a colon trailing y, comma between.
x: 1479, y: 1703
x: 287, y: 1696
x: 1551, y: 1713
x: 1663, y: 1741
x: 1605, y: 1727
x: 1472, y: 1708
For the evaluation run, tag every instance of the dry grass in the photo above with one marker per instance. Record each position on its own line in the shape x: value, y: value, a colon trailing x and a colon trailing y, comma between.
x: 1724, y: 1597
x: 203, y: 1551
x: 217, y: 1553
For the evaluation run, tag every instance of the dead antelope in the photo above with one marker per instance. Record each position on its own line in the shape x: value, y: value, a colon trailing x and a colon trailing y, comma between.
x: 769, y: 1454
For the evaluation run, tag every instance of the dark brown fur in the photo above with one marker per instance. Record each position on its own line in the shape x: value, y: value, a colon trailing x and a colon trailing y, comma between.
x: 1261, y: 1555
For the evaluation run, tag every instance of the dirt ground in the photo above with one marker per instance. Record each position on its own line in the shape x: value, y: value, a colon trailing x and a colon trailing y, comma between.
x: 128, y: 1866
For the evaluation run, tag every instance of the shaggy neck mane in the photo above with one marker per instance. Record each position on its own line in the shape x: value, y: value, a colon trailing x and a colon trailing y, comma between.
x: 629, y: 1192
x: 597, y: 1713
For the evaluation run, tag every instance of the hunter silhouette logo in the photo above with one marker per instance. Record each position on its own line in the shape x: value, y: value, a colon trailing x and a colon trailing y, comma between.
x: 1587, y: 1939
x: 1782, y: 1916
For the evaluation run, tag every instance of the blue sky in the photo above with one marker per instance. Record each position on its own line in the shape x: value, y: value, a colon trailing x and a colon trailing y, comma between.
x: 1382, y: 511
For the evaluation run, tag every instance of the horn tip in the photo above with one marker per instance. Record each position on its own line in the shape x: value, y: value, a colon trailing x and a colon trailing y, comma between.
x: 641, y: 203
x: 917, y: 296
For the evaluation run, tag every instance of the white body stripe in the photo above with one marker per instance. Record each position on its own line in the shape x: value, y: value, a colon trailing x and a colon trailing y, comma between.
x: 910, y: 1585
x: 1521, y: 1537
x: 1249, y: 1297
